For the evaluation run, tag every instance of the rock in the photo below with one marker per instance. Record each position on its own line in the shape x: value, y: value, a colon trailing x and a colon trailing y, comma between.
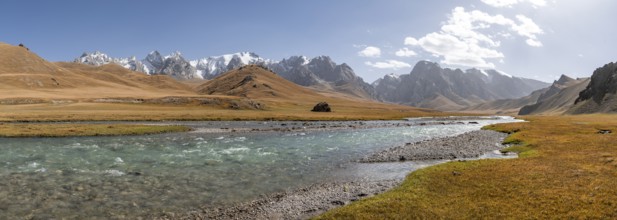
x: 604, y: 131
x: 322, y: 107
x: 337, y: 202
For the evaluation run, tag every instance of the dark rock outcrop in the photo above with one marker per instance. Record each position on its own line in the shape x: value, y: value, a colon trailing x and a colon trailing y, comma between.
x: 322, y: 107
x: 599, y: 96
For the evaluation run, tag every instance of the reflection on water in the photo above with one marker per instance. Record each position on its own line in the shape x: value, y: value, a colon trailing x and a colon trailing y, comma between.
x: 131, y: 176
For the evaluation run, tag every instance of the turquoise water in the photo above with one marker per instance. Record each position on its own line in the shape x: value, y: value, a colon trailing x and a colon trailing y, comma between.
x: 111, y: 177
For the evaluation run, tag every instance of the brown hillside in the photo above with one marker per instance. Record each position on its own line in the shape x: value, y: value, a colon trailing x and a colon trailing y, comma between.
x: 15, y: 59
x: 113, y: 74
x: 28, y: 76
x: 255, y: 82
x: 22, y: 69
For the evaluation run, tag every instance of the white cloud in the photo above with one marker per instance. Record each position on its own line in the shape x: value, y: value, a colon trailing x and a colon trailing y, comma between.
x: 538, y: 3
x: 411, y: 41
x: 527, y: 28
x: 389, y: 64
x: 405, y: 52
x: 510, y: 3
x: 533, y: 43
x: 500, y: 3
x: 472, y: 38
x: 370, y: 51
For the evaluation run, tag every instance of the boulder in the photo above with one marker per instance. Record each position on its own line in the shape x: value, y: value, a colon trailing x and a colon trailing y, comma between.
x: 322, y: 107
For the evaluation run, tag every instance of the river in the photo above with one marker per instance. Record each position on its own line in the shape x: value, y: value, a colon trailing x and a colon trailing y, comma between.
x: 216, y: 164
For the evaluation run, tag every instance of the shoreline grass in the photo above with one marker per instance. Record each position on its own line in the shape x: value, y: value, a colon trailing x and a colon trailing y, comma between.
x: 13, y: 130
x: 566, y: 170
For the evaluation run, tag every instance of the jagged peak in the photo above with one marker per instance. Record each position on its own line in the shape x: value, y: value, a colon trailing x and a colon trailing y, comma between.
x: 175, y: 54
x: 322, y: 58
x: 154, y: 53
x: 95, y: 53
x: 423, y: 65
x: 392, y: 75
x: 296, y: 59
x: 563, y: 79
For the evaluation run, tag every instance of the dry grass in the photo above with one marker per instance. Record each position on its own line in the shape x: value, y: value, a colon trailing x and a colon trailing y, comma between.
x: 147, y: 112
x: 567, y: 171
x: 65, y: 130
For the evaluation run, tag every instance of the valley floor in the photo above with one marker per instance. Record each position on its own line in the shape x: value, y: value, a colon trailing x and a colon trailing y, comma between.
x: 567, y: 169
x: 88, y: 111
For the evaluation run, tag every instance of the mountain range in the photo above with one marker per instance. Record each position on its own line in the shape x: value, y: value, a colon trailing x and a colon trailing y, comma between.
x: 320, y: 72
x: 431, y: 86
x: 428, y: 85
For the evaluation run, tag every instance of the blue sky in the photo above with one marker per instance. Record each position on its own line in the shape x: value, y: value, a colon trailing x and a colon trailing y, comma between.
x: 539, y: 39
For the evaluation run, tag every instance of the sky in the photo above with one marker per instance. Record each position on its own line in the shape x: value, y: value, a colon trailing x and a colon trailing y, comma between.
x: 538, y: 39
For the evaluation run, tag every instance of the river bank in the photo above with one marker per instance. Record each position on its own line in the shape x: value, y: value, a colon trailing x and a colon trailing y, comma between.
x: 310, y: 201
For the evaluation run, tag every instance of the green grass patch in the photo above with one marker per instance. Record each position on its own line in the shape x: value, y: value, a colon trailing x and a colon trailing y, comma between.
x: 566, y: 170
x: 68, y: 130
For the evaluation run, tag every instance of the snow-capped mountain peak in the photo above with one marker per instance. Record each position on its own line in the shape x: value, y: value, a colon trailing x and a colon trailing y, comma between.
x: 211, y: 66
x: 96, y: 58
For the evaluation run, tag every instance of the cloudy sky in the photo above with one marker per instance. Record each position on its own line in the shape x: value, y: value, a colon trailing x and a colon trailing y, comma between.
x: 538, y: 39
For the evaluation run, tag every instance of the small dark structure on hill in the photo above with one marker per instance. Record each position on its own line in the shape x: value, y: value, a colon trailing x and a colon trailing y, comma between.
x: 22, y: 45
x: 322, y: 107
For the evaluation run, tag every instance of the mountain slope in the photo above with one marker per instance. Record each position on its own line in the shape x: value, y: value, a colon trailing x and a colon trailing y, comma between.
x: 558, y: 98
x: 599, y: 96
x: 506, y: 106
x: 23, y: 74
x: 430, y: 86
x: 21, y: 69
x: 254, y: 82
x: 555, y: 99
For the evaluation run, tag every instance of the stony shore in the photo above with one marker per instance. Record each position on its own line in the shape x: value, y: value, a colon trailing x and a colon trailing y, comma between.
x: 307, y: 202
x: 467, y: 145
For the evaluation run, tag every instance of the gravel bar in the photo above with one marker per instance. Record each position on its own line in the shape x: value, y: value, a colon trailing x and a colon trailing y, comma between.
x: 468, y: 145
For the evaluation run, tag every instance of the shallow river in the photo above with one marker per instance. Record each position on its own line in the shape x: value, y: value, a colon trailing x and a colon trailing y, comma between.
x: 110, y: 177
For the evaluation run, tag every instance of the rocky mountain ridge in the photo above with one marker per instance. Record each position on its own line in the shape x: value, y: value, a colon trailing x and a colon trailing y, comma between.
x: 429, y: 85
